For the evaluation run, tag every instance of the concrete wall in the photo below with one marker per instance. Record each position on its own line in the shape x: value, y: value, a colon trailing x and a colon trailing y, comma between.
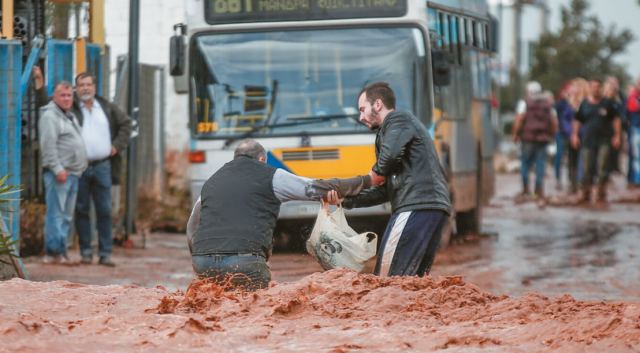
x: 157, y: 18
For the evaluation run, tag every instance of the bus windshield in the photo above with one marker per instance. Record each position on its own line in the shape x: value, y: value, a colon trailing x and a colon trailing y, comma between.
x: 283, y: 83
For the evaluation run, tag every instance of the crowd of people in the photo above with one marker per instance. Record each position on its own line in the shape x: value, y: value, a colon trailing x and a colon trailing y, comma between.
x: 591, y: 122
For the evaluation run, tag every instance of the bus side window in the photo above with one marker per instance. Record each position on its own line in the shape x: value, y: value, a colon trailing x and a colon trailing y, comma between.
x: 485, y: 33
x: 458, y: 39
x: 469, y: 34
x: 474, y: 34
x: 444, y: 31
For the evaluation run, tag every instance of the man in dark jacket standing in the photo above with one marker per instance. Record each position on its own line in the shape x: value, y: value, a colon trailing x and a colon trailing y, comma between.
x: 407, y: 173
x: 230, y: 231
x: 106, y: 131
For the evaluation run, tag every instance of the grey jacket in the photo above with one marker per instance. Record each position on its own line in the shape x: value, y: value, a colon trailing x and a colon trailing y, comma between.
x: 61, y: 143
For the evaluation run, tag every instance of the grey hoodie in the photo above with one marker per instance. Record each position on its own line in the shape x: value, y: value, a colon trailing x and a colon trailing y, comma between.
x: 61, y: 141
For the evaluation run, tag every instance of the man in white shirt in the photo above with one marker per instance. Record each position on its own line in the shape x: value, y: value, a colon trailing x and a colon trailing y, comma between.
x: 105, y: 131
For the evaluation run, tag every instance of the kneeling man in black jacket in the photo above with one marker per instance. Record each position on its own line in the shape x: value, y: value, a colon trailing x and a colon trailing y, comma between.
x: 230, y: 231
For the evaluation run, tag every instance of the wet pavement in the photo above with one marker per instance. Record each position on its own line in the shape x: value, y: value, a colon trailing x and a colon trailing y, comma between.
x: 587, y: 252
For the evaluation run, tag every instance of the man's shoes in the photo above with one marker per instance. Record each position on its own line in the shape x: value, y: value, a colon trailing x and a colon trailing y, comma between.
x: 63, y: 259
x: 86, y: 260
x: 106, y: 261
x: 48, y: 259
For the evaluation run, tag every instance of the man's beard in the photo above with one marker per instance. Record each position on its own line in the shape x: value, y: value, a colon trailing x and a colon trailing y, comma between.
x: 86, y: 97
x: 374, y: 120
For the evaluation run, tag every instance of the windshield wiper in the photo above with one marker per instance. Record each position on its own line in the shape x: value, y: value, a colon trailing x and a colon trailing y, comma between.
x: 297, y: 121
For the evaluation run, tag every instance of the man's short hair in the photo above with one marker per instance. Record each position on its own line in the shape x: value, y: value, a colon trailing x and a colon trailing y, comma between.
x: 249, y: 148
x: 533, y: 87
x: 63, y: 84
x: 382, y: 91
x: 85, y: 74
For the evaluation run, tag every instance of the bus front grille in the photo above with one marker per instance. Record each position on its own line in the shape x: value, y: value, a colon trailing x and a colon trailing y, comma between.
x: 311, y: 155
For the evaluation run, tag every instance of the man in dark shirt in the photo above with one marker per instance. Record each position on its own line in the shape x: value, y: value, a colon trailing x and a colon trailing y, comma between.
x: 602, y: 129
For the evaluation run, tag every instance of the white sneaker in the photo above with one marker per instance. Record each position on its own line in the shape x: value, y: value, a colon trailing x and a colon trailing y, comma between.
x: 48, y: 259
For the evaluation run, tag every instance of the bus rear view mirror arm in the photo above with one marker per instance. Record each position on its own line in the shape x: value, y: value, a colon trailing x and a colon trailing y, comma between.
x: 177, y: 55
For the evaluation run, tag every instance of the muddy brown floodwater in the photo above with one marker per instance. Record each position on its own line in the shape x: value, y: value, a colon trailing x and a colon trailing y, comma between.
x: 334, y: 311
x: 559, y: 279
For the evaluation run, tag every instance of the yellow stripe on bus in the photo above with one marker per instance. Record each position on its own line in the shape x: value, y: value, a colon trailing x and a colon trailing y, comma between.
x: 349, y: 161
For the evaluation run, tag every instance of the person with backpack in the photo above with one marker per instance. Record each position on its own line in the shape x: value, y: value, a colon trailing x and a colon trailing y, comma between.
x: 535, y: 127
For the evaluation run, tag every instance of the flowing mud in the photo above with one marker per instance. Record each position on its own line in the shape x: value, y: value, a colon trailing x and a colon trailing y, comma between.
x: 333, y: 311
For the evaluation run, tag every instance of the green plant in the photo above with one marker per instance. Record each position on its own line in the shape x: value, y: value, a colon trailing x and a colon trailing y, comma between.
x: 7, y: 245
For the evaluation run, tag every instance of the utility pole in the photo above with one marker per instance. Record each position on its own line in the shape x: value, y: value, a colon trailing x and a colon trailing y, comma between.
x: 517, y: 46
x: 132, y: 108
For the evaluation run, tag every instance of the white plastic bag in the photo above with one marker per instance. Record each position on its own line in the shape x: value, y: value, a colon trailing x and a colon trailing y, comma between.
x: 336, y: 245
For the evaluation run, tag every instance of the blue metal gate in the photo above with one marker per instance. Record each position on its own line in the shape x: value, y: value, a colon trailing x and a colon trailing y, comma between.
x: 11, y: 125
x: 59, y: 63
x: 94, y: 65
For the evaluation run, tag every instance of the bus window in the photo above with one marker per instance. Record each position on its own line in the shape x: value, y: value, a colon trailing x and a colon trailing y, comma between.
x: 444, y: 31
x: 462, y: 26
x: 458, y: 41
x: 481, y: 37
x: 432, y: 18
x: 486, y: 35
x: 474, y: 34
x: 453, y: 33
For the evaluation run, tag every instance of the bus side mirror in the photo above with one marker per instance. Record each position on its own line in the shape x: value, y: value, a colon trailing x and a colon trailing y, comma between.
x: 440, y: 68
x: 177, y: 55
x: 494, y: 34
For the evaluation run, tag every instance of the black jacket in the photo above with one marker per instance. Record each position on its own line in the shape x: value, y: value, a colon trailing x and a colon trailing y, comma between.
x: 120, y: 127
x: 239, y: 210
x: 406, y: 156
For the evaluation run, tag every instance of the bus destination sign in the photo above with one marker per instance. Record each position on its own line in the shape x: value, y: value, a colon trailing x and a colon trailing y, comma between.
x: 233, y: 11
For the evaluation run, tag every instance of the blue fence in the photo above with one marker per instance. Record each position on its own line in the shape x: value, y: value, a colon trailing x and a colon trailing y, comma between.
x: 11, y: 125
x: 59, y: 63
x: 94, y: 65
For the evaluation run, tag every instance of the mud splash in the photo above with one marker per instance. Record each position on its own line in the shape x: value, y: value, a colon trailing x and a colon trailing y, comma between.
x: 333, y: 311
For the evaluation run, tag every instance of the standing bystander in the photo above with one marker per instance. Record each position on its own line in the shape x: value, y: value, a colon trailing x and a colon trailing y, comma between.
x: 535, y: 126
x: 63, y: 159
x: 106, y: 130
x: 565, y: 112
x: 633, y: 108
x: 602, y: 132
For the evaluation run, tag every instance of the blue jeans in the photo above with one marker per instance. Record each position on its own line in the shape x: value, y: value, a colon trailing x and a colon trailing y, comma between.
x: 95, y: 184
x: 249, y: 271
x: 533, y: 153
x: 562, y: 143
x: 60, y: 199
x: 634, y: 155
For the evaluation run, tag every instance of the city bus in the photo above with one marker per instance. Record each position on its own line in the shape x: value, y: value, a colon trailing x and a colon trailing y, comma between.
x: 287, y: 73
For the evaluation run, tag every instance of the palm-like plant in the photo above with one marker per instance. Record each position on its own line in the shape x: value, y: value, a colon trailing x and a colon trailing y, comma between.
x: 6, y: 243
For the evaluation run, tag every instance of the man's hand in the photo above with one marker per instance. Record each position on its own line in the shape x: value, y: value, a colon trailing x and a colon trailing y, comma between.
x: 114, y: 151
x: 38, y: 79
x: 62, y: 177
x: 333, y: 198
x: 376, y: 179
x: 616, y: 141
x: 575, y: 141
